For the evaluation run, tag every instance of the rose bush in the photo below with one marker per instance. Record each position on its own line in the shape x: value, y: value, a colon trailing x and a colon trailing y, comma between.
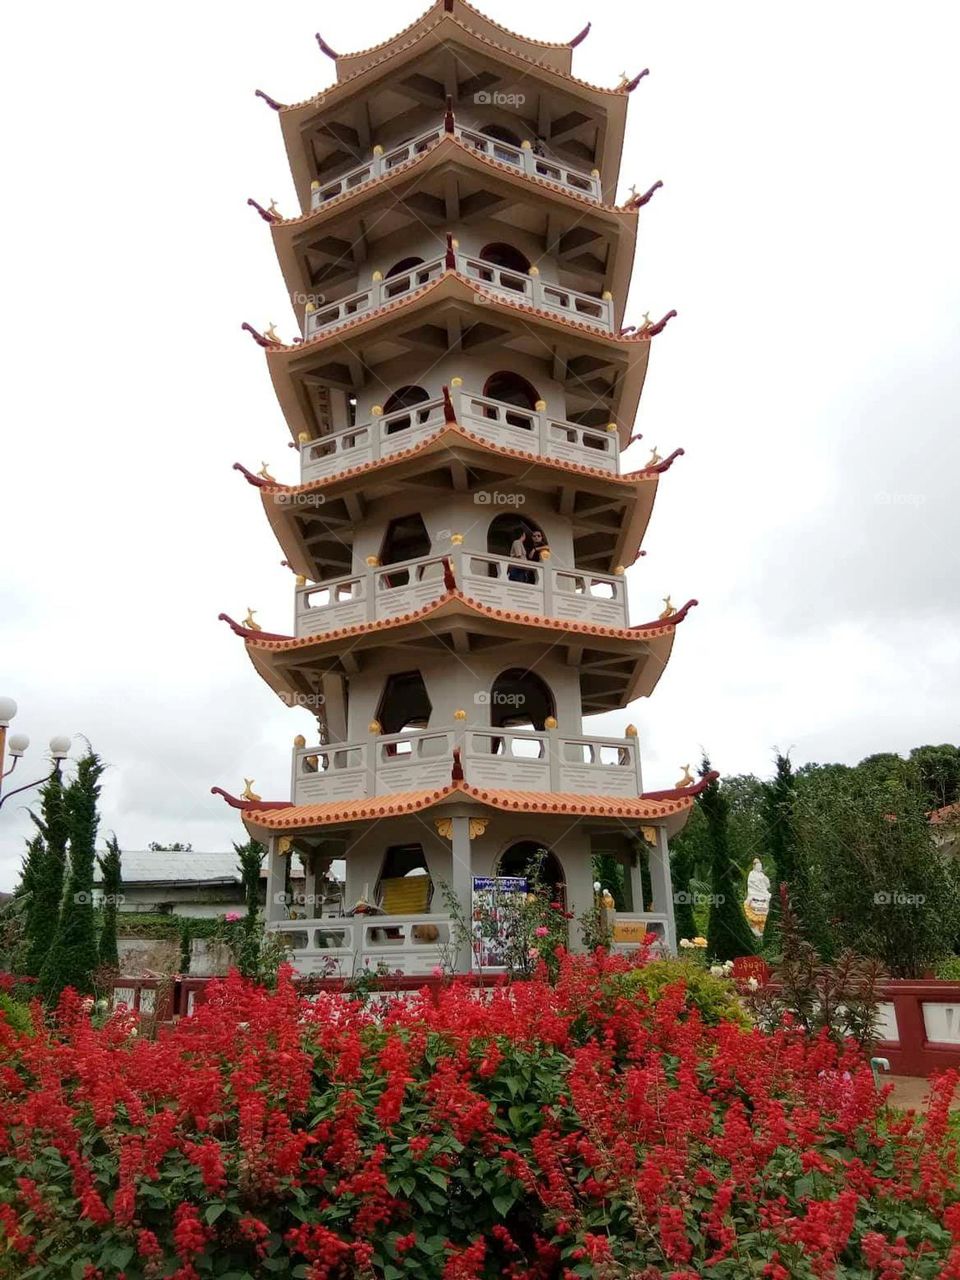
x: 543, y: 1132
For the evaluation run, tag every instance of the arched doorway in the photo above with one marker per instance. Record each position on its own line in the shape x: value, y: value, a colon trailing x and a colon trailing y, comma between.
x: 400, y: 274
x: 407, y: 397
x: 520, y: 699
x: 404, y: 704
x: 508, y: 257
x: 537, y: 863
x: 510, y: 388
x: 506, y: 535
x: 500, y: 133
x: 406, y: 538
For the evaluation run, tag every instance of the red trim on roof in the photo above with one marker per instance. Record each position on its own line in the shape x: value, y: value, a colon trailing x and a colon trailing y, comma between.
x: 678, y: 793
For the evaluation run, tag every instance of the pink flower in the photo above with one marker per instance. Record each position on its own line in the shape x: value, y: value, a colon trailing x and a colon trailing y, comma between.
x: 533, y: 953
x: 232, y: 917
x: 541, y: 931
x: 437, y: 971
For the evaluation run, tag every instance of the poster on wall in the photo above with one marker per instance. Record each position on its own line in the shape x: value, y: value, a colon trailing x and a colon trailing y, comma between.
x: 496, y: 902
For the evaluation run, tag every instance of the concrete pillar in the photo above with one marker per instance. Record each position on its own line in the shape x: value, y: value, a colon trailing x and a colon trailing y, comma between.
x: 461, y: 882
x: 662, y: 885
x: 276, y: 875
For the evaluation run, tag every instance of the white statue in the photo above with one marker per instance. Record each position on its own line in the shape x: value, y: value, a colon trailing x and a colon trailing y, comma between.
x: 756, y: 907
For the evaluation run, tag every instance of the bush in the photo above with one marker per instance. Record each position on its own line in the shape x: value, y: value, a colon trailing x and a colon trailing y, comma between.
x: 543, y: 1133
x: 715, y: 999
x: 17, y: 1015
x: 949, y: 970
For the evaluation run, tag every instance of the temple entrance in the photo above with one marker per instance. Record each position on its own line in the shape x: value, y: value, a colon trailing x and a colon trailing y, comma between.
x: 406, y: 539
x: 405, y: 398
x: 527, y: 858
x: 405, y: 704
x: 519, y: 699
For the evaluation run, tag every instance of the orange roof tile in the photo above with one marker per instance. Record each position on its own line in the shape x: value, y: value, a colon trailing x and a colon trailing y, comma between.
x: 455, y: 429
x: 387, y: 806
x: 320, y: 98
x: 641, y: 631
x: 949, y: 815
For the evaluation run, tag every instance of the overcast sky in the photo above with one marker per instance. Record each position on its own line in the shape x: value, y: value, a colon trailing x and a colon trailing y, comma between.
x: 806, y: 234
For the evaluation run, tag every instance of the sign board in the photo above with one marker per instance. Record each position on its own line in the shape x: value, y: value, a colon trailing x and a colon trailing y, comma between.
x: 746, y: 967
x: 494, y: 905
x: 630, y: 931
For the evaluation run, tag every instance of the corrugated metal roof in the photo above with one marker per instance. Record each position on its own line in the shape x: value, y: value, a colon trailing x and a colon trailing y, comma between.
x: 149, y: 866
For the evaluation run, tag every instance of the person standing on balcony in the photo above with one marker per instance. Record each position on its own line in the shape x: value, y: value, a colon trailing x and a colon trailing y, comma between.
x: 538, y: 548
x: 519, y: 550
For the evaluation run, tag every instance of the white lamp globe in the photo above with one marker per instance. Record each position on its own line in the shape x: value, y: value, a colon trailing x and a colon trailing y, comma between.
x: 17, y: 743
x: 8, y: 709
x: 60, y: 747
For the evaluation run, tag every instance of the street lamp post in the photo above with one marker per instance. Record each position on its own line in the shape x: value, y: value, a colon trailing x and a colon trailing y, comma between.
x: 17, y: 744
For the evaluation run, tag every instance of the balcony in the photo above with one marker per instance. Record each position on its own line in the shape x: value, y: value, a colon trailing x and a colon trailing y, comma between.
x: 508, y: 759
x: 530, y: 289
x: 522, y: 158
x: 381, y: 592
x: 530, y: 430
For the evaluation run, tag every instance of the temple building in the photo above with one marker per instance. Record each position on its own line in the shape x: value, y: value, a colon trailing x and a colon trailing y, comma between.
x: 459, y: 400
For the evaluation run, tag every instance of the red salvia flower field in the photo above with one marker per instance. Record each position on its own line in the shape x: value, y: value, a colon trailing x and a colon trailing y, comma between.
x: 537, y: 1132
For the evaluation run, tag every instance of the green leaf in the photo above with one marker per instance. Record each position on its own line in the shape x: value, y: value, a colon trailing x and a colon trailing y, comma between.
x: 503, y: 1203
x: 213, y: 1212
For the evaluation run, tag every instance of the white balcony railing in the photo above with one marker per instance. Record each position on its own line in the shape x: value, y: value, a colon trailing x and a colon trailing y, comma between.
x: 388, y: 591
x: 522, y: 158
x: 344, y: 947
x: 489, y: 278
x: 500, y: 758
x: 534, y: 431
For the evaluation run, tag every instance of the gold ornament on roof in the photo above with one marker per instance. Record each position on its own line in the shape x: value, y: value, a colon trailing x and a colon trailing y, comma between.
x: 456, y: 539
x: 444, y: 828
x: 607, y: 295
x: 456, y: 382
x: 272, y: 208
x: 304, y: 437
x: 249, y: 621
x: 373, y: 561
x: 687, y: 779
x: 476, y: 827
x: 649, y: 834
x: 631, y: 731
x: 619, y: 570
x: 375, y: 726
x: 668, y: 610
x: 248, y: 792
x: 264, y: 472
x: 534, y: 270
x: 271, y: 334
x: 377, y: 410
x: 654, y: 457
x: 377, y: 277
x: 611, y: 426
x: 299, y: 741
x: 540, y: 406
x: 550, y: 722
x: 301, y: 580
x: 459, y: 714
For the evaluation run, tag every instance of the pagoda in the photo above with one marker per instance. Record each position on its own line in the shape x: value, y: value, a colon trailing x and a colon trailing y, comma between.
x: 458, y: 400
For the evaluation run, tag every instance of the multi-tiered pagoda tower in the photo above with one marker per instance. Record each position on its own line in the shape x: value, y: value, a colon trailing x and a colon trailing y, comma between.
x: 464, y: 384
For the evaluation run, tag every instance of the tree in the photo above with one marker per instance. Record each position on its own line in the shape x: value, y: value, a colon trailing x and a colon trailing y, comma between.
x: 938, y: 773
x: 72, y: 957
x: 112, y: 885
x: 779, y: 797
x: 681, y: 873
x: 49, y: 858
x: 245, y: 936
x: 887, y: 890
x: 728, y: 934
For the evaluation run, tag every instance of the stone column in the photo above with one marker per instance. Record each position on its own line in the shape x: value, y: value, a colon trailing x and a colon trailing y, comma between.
x: 662, y: 885
x: 462, y: 885
x: 275, y: 907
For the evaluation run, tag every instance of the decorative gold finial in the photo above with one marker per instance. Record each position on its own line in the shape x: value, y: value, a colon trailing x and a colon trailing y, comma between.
x: 375, y: 727
x: 377, y: 277
x: 611, y: 426
x: 248, y: 792
x: 444, y: 828
x: 687, y: 779
x: 668, y: 610
x: 459, y: 714
x: 315, y: 185
x: 264, y: 472
x: 654, y: 457
x: 378, y: 149
x: 649, y: 834
x: 373, y: 561
x: 272, y: 208
x: 619, y: 570
x: 310, y: 308
x: 545, y: 553
x: 456, y: 539
x: 526, y: 145
x: 541, y: 406
x: 476, y: 827
x: 550, y: 722
x: 624, y: 80
x: 633, y: 191
x: 249, y: 621
x: 284, y: 845
x: 301, y: 580
x: 271, y: 334
x: 456, y: 382
x: 630, y: 731
x: 304, y: 437
x: 607, y: 295
x: 534, y: 270
x: 299, y: 741
x: 377, y: 410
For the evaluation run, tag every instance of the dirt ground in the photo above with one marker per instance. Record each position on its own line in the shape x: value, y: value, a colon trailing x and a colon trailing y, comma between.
x: 910, y: 1092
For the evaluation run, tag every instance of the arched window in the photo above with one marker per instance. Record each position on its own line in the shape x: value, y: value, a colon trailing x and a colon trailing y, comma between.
x: 526, y: 858
x: 510, y: 388
x: 405, y: 703
x: 501, y: 254
x: 505, y: 530
x: 404, y: 398
x: 406, y: 539
x: 520, y: 699
x: 500, y: 133
x: 400, y: 274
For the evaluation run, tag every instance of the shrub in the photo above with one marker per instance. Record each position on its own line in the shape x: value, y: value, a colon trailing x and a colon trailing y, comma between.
x: 17, y: 1015
x: 543, y: 1133
x: 949, y: 970
x: 715, y: 999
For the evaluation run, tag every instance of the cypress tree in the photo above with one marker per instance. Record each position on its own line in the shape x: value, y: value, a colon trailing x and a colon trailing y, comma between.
x: 112, y: 883
x: 779, y: 797
x: 728, y: 934
x: 681, y: 875
x: 72, y: 957
x: 43, y: 913
x: 23, y: 898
